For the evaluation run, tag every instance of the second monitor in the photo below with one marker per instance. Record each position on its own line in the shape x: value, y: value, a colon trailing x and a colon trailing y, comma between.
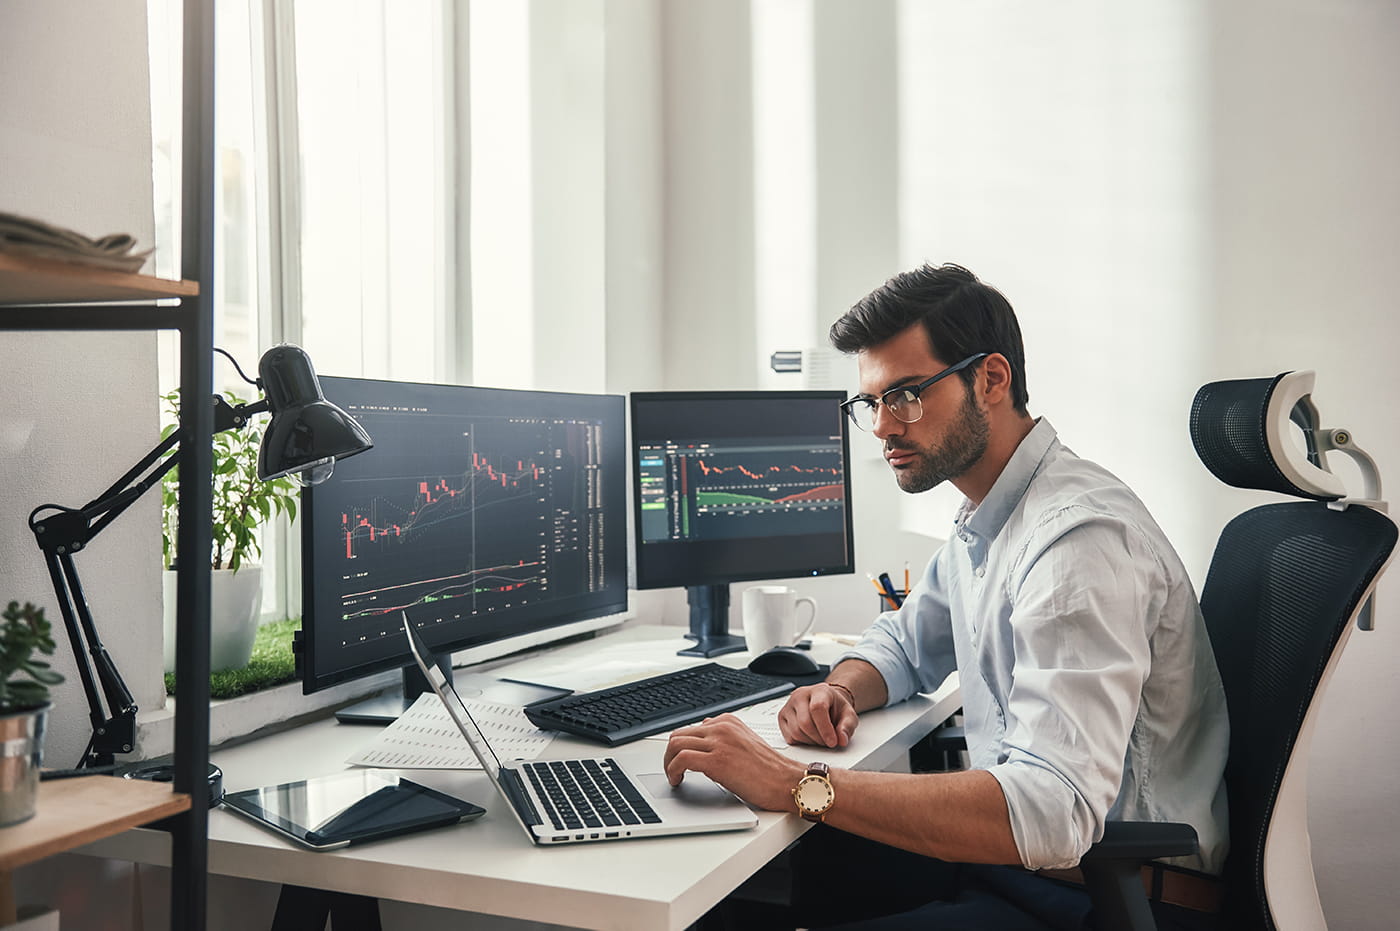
x: 733, y: 486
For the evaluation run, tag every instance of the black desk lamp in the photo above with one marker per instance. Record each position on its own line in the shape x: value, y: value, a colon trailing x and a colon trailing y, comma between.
x: 305, y: 436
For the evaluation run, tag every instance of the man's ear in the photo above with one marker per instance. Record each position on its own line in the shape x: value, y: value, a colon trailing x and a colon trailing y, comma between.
x: 996, y: 379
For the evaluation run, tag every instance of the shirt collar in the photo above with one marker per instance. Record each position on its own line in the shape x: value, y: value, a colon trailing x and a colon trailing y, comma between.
x: 986, y: 520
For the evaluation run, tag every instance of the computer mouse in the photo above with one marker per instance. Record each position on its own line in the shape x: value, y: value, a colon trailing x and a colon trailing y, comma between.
x: 784, y: 661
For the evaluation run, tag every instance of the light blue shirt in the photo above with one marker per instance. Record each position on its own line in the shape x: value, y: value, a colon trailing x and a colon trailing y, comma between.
x: 1088, y: 684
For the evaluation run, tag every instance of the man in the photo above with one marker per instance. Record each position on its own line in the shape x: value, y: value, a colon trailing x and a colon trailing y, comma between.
x: 1089, y: 689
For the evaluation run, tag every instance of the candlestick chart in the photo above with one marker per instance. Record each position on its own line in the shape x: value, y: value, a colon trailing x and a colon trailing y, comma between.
x: 713, y: 490
x: 492, y: 513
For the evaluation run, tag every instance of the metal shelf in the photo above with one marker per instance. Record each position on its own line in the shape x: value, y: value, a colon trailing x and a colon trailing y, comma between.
x: 38, y: 294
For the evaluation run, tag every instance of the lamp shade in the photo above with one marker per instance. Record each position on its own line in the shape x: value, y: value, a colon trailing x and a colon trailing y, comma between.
x: 306, y: 432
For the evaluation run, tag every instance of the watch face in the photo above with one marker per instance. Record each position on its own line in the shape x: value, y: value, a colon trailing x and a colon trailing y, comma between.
x: 814, y: 794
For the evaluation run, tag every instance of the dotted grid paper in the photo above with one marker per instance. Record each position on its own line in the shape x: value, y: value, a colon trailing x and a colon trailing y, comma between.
x: 425, y: 737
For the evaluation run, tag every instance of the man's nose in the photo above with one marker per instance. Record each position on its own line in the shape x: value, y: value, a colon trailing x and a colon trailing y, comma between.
x: 886, y: 423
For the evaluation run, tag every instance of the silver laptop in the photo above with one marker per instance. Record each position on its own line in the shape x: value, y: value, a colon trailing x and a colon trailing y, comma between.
x: 574, y: 801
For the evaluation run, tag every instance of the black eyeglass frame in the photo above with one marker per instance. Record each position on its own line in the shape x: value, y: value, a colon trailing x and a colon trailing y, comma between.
x: 912, y: 391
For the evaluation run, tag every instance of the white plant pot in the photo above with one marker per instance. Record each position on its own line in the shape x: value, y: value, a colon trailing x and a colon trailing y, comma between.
x: 234, y: 601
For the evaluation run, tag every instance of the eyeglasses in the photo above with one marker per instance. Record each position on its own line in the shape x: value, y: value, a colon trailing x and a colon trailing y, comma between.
x: 903, y: 403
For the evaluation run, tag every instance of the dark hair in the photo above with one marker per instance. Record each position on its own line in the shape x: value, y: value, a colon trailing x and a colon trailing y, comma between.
x: 961, y: 315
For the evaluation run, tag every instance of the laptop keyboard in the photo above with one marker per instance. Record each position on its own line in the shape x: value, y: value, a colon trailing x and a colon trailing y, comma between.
x: 588, y: 793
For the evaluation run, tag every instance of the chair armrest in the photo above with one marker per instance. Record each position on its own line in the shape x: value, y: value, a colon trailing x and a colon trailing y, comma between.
x: 1144, y: 840
x: 1112, y: 869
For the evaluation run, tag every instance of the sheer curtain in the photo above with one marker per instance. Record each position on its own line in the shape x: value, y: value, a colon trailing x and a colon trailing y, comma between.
x: 336, y: 199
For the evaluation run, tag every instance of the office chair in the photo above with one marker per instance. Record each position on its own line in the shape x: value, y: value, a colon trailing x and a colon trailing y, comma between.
x: 1286, y: 583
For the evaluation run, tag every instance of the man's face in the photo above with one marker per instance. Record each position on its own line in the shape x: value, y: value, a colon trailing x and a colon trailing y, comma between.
x: 948, y: 439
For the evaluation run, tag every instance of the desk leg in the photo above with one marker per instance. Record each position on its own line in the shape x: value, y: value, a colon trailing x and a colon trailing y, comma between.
x: 299, y: 908
x: 8, y: 910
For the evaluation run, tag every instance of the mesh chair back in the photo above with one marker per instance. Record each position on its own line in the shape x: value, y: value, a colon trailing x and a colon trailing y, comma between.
x: 1229, y: 430
x: 1283, y: 584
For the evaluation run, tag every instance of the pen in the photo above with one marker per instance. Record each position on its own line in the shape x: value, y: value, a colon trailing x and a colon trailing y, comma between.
x: 889, y: 589
x: 906, y: 578
x: 883, y: 593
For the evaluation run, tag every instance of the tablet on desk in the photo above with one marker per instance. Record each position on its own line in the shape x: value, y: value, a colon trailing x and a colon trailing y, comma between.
x: 335, y: 811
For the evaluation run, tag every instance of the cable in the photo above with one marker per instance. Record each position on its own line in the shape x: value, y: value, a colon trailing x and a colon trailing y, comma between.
x: 236, y: 366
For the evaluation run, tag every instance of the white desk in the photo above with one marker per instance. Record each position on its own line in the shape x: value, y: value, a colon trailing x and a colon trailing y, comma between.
x: 489, y: 865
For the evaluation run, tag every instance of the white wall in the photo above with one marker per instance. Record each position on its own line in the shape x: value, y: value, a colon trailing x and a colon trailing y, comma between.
x: 77, y: 409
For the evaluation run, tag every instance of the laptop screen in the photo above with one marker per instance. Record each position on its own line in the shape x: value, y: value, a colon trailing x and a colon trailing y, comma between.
x: 453, y: 702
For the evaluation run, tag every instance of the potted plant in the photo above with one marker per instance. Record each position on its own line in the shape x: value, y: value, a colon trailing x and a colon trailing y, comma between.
x: 242, y: 504
x: 24, y: 704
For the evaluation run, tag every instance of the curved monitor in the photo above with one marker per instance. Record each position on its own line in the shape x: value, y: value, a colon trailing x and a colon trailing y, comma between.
x: 486, y: 514
x: 731, y: 486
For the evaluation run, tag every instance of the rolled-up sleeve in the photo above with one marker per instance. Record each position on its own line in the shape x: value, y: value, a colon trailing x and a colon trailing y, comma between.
x: 1081, y: 594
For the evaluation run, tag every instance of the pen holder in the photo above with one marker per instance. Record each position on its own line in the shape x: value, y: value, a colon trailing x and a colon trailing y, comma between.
x: 899, y: 593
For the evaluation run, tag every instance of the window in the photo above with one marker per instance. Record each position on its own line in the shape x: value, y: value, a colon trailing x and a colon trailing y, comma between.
x: 374, y: 209
x: 334, y: 200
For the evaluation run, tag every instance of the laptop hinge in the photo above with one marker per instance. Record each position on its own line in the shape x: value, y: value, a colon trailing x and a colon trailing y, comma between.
x: 510, y: 781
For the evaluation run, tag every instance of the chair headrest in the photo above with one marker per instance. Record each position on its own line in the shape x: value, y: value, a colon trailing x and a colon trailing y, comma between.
x: 1240, y: 431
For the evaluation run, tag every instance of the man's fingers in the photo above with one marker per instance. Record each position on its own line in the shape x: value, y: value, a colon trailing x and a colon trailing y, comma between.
x: 683, y: 752
x: 678, y: 762
x: 848, y: 724
x: 803, y: 725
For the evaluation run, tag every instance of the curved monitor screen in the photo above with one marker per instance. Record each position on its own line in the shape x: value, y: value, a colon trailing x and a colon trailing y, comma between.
x: 484, y: 513
x: 732, y: 486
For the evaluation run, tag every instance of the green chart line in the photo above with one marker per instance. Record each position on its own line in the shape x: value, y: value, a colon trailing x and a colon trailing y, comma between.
x: 716, y: 498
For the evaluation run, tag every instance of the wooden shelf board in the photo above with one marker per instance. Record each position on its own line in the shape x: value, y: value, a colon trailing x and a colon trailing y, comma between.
x: 25, y: 280
x: 77, y: 811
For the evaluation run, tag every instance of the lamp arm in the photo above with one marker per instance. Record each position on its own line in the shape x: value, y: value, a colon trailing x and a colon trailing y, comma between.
x: 113, y: 723
x: 112, y: 710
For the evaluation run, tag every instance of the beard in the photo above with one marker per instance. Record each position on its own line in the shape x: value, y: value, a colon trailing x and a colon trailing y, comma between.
x: 964, y: 443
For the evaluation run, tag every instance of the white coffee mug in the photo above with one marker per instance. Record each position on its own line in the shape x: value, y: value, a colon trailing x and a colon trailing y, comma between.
x: 770, y: 617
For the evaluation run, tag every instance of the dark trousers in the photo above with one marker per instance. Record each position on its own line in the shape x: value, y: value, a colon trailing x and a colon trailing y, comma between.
x: 835, y: 880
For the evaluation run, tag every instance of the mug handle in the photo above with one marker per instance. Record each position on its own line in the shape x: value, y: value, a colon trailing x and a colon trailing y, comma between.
x: 811, y: 621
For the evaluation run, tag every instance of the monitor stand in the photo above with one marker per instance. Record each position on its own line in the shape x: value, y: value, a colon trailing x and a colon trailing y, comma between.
x: 709, y: 622
x: 386, y: 708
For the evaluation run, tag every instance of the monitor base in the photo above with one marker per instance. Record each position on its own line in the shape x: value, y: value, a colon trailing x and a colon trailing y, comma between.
x: 714, y: 646
x: 709, y: 622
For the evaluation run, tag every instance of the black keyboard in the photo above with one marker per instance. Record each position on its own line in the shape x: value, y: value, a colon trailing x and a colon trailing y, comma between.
x: 650, y: 706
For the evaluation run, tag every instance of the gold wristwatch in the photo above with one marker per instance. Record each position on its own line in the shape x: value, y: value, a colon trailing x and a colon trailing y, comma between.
x: 814, y: 794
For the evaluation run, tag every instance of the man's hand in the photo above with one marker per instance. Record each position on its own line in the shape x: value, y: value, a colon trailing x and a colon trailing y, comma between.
x: 726, y: 750
x: 819, y: 714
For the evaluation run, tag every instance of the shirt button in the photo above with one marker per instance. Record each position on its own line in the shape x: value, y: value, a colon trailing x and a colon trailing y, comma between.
x: 979, y: 571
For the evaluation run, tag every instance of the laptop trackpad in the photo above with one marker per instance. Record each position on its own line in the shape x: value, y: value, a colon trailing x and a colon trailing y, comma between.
x: 695, y: 791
